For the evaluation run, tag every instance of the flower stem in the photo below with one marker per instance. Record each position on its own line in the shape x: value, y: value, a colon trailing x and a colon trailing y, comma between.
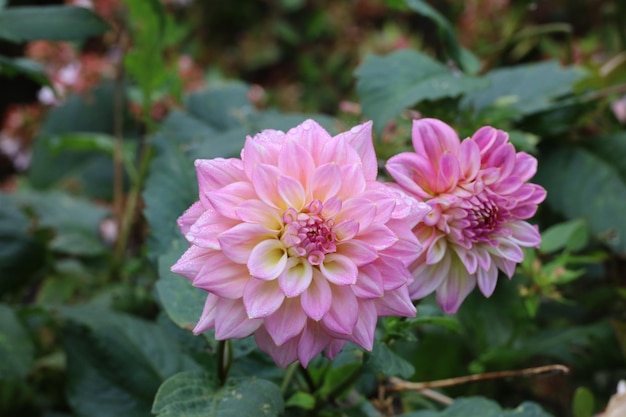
x: 224, y: 360
x: 291, y: 370
x: 308, y: 378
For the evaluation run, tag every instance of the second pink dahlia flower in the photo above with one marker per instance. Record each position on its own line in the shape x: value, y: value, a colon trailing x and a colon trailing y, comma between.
x: 298, y: 244
x: 479, y: 197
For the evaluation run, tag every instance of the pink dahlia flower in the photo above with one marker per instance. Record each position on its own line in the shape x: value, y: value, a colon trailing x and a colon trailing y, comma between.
x: 479, y: 197
x: 298, y: 244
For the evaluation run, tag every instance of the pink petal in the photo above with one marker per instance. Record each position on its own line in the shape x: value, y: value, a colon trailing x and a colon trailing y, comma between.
x: 524, y: 234
x: 353, y: 182
x: 268, y: 259
x: 317, y: 298
x: 221, y: 276
x: 238, y: 242
x: 469, y: 159
x: 346, y: 230
x: 287, y: 322
x: 313, y: 340
x: 395, y: 303
x: 360, y: 253
x: 449, y: 173
x: 503, y: 158
x: 508, y: 250
x: 339, y: 269
x: 363, y: 332
x: 334, y: 348
x: 455, y: 288
x: 311, y: 136
x: 331, y: 207
x: 296, y: 277
x: 437, y: 250
x: 192, y: 262
x: 431, y: 137
x: 507, y: 186
x: 487, y: 279
x: 525, y: 166
x: 256, y: 211
x: 217, y: 173
x: 344, y: 311
x: 337, y: 152
x: 206, y: 230
x: 296, y: 161
x: 413, y: 172
x: 506, y: 266
x: 467, y: 257
x: 428, y: 277
x: 262, y: 298
x: 190, y: 216
x: 291, y: 192
x: 358, y: 209
x: 393, y: 271
x: 207, y: 318
x: 325, y: 182
x: 265, y: 181
x: 227, y: 198
x: 284, y: 354
x: 360, y: 138
x: 261, y: 149
x: 231, y: 320
x: 369, y: 283
x: 487, y: 138
x: 378, y: 236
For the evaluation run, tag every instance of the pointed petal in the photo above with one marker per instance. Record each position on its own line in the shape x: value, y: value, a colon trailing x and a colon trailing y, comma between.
x: 263, y: 148
x: 346, y: 230
x: 265, y: 181
x: 268, y: 259
x: 190, y: 216
x: 220, y: 276
x: 487, y: 279
x: 317, y: 298
x: 296, y: 161
x: 363, y: 332
x: 256, y: 211
x: 262, y: 298
x: 359, y: 209
x: 313, y: 340
x: 360, y: 253
x: 339, y: 269
x: 360, y: 138
x: 413, y: 172
x: 395, y: 303
x: 225, y: 199
x: 369, y: 283
x: 206, y: 230
x: 192, y: 261
x: 325, y: 182
x: 448, y: 174
x: 378, y: 236
x: 524, y: 234
x: 427, y: 278
x: 296, y: 277
x: 284, y: 354
x: 353, y: 182
x: 238, y: 242
x: 287, y: 322
x: 344, y: 311
x: 455, y: 288
x: 217, y: 173
x: 469, y: 159
x: 311, y: 136
x: 207, y: 318
x: 231, y: 320
x: 525, y: 166
x: 431, y: 137
x: 507, y: 249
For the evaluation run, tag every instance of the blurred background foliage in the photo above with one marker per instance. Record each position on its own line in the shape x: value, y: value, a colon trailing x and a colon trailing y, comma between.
x: 104, y: 109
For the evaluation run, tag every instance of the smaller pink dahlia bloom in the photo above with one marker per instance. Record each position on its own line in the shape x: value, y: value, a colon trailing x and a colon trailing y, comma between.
x: 298, y: 244
x: 479, y: 197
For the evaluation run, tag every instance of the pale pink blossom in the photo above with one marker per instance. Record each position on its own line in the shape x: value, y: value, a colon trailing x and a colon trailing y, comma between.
x: 479, y: 197
x: 298, y: 244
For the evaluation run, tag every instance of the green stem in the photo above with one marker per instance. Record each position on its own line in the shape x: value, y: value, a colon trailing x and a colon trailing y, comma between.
x: 344, y: 385
x: 308, y: 378
x: 291, y: 371
x: 224, y: 360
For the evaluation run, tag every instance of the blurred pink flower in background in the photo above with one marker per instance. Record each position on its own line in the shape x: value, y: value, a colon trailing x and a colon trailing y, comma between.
x: 298, y: 244
x: 479, y: 197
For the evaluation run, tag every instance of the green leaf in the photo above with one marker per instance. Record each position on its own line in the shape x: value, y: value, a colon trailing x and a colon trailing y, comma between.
x: 28, y: 67
x: 181, y: 300
x: 75, y: 221
x: 482, y: 407
x: 581, y: 184
x: 584, y: 402
x: 198, y: 394
x: 389, y: 84
x: 302, y: 400
x: 570, y: 235
x: 527, y: 89
x: 16, y: 347
x: 55, y: 23
x: 116, y: 362
x: 221, y: 107
x: 383, y: 359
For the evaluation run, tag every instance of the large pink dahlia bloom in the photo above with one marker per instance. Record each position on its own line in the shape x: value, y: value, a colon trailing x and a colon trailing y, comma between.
x: 298, y: 244
x: 479, y: 197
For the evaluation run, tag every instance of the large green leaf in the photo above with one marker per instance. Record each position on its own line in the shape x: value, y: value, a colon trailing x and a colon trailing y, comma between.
x: 383, y: 359
x: 222, y: 107
x: 481, y: 407
x: 389, y: 84
x: 198, y: 394
x: 588, y: 185
x: 56, y: 23
x: 28, y: 67
x: 16, y: 346
x: 526, y: 89
x: 182, y: 302
x: 74, y: 221
x: 116, y: 362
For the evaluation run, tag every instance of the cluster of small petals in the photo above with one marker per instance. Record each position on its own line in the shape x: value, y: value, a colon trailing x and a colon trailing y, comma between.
x: 479, y: 196
x: 298, y: 244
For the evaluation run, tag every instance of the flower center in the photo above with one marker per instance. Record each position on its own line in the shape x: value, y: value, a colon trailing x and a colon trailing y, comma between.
x: 308, y: 234
x: 485, y: 214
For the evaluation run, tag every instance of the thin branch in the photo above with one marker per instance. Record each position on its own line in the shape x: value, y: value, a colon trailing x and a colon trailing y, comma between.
x: 398, y: 384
